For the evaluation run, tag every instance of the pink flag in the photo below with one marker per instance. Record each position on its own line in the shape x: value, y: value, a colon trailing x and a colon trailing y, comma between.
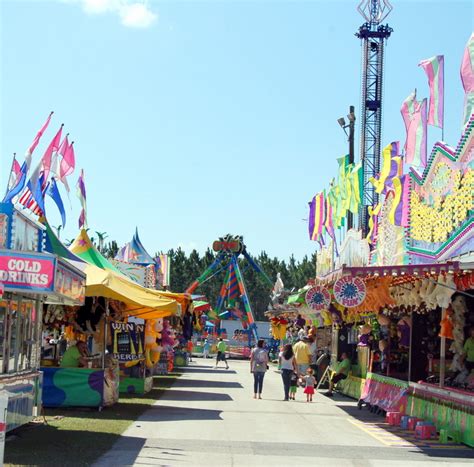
x: 46, y: 161
x: 434, y: 69
x: 68, y: 162
x: 467, y: 78
x: 15, y: 173
x: 416, y: 137
x: 407, y: 110
x: 36, y: 141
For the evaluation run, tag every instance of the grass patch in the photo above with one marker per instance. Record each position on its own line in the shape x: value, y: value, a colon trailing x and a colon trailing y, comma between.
x: 80, y: 436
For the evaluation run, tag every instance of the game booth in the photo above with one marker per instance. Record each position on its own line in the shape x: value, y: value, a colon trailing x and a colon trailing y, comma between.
x: 401, y: 298
x: 30, y: 279
x: 112, y: 323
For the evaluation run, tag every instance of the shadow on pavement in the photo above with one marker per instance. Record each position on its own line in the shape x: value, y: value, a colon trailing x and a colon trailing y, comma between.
x: 190, y: 396
x: 160, y: 413
x: 208, y: 370
x: 186, y: 383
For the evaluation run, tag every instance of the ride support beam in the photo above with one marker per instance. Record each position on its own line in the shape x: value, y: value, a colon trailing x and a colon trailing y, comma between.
x: 244, y: 297
x: 205, y: 274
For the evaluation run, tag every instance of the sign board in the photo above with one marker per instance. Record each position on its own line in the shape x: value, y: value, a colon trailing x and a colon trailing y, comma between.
x: 349, y: 291
x: 318, y: 298
x: 27, y: 271
x: 69, y: 284
x: 128, y: 341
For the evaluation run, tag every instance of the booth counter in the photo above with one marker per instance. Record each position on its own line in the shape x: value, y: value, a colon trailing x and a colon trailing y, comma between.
x: 80, y: 387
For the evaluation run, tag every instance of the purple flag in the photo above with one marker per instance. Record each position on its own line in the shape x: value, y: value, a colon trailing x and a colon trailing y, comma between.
x: 434, y: 69
x: 81, y: 194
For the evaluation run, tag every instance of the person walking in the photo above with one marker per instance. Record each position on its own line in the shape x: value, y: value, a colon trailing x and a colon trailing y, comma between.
x: 221, y: 349
x: 302, y: 355
x: 189, y: 349
x: 293, y: 385
x: 206, y: 348
x: 287, y: 365
x: 258, y: 366
x: 309, y: 383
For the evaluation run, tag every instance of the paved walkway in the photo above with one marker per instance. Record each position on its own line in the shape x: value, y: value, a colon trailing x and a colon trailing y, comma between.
x: 210, y: 418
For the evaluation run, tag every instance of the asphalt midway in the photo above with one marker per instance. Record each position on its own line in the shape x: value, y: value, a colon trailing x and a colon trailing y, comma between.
x: 209, y: 417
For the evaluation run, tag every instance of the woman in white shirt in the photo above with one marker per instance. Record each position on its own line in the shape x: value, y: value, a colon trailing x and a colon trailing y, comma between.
x: 287, y: 364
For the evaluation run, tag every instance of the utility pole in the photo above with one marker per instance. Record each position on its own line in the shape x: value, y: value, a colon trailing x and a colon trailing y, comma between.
x: 350, y: 137
x: 351, y: 117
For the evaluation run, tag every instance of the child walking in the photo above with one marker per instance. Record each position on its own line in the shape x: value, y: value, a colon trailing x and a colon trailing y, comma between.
x: 293, y: 385
x: 310, y: 382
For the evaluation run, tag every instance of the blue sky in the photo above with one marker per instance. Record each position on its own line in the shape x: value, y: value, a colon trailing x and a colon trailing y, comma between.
x: 195, y: 119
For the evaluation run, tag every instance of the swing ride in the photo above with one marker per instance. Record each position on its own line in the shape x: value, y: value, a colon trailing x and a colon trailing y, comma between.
x: 229, y: 248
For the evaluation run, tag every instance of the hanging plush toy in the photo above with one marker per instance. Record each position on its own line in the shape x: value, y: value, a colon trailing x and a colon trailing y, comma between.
x: 447, y: 325
x: 457, y: 347
x: 150, y: 342
x: 403, y: 331
x: 167, y: 339
x: 364, y: 335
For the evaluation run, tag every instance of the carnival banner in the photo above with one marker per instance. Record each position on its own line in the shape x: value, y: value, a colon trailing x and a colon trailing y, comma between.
x: 349, y: 291
x: 128, y: 341
x: 318, y: 298
x: 389, y: 394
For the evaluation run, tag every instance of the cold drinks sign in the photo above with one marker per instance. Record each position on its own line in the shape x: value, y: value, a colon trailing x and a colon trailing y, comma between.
x: 31, y: 272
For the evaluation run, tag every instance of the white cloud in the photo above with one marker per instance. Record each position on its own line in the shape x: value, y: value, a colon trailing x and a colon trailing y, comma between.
x: 132, y: 13
x: 137, y: 15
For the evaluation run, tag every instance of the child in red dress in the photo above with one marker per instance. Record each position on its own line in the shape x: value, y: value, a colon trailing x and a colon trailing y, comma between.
x: 310, y: 382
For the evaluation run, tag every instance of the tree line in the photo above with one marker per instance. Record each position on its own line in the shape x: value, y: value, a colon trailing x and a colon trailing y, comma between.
x: 186, y: 268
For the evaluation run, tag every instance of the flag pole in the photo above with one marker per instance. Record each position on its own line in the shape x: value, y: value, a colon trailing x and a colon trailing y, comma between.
x: 11, y: 170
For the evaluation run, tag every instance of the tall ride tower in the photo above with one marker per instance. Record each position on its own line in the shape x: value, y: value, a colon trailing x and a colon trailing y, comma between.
x: 373, y: 35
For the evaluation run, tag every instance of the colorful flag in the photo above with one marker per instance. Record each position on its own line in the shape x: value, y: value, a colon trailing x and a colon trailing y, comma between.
x: 434, y: 69
x: 35, y: 142
x: 15, y: 174
x: 467, y: 78
x: 317, y: 208
x: 33, y: 195
x: 81, y: 194
x: 53, y: 147
x: 408, y: 109
x: 164, y: 268
x: 357, y: 183
x: 68, y: 162
x: 20, y: 179
x: 53, y: 192
x: 329, y: 223
x: 416, y: 138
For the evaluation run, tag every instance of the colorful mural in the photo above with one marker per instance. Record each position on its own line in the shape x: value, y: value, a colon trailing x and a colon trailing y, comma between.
x: 79, y: 387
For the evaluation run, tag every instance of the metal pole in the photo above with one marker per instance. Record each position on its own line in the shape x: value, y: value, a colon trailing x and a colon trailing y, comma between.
x: 350, y: 215
x: 442, y: 359
x: 410, y: 350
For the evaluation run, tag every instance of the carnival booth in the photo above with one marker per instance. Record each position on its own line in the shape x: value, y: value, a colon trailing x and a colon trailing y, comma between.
x: 30, y: 279
x: 405, y: 291
x: 103, y: 323
x: 404, y: 280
